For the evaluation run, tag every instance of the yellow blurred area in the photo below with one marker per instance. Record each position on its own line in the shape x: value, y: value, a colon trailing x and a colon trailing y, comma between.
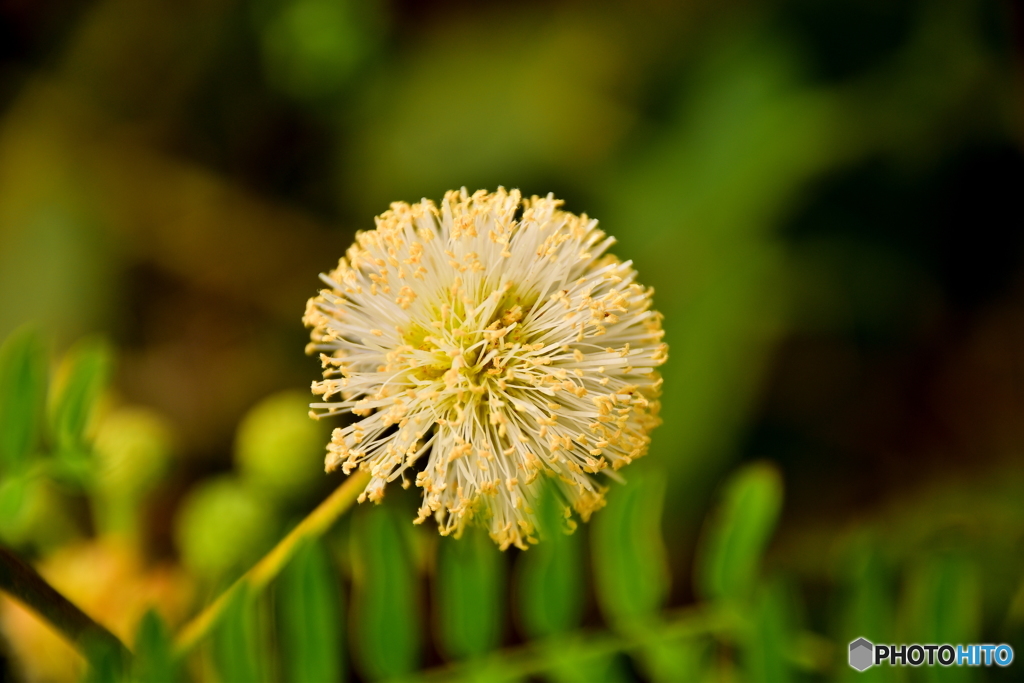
x: 112, y: 584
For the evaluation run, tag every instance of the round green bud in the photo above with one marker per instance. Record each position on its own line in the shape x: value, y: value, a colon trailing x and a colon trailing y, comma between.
x: 221, y: 526
x: 279, y: 449
x: 133, y: 450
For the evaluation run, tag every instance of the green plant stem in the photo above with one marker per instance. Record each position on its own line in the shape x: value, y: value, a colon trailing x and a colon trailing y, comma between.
x: 536, y: 658
x: 263, y: 572
x: 25, y: 584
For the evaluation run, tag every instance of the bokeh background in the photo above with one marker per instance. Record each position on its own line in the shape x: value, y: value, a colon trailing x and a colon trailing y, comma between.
x: 825, y: 196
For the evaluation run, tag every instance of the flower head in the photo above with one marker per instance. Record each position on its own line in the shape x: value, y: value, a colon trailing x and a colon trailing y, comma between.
x: 479, y: 345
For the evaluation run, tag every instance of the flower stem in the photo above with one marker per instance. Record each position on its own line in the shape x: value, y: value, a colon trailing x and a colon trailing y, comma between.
x: 534, y: 659
x: 25, y: 584
x: 263, y: 572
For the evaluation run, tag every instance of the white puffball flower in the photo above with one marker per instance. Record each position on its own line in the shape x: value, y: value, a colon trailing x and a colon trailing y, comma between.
x: 479, y: 345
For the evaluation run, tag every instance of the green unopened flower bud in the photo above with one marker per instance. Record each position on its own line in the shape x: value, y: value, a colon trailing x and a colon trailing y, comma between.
x: 134, y: 447
x: 222, y: 526
x: 133, y: 451
x: 279, y: 449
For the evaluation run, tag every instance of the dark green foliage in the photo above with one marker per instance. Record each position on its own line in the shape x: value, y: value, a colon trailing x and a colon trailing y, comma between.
x: 27, y: 460
x: 738, y: 532
x: 238, y: 651
x: 22, y: 396
x: 550, y: 580
x: 105, y: 663
x: 770, y: 636
x: 569, y: 661
x: 385, y: 601
x: 868, y: 606
x: 942, y: 605
x: 470, y: 592
x: 154, y: 661
x: 668, y: 660
x: 630, y: 565
x: 309, y: 609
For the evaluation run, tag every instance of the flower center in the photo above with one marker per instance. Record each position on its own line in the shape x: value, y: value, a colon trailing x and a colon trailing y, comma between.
x: 467, y: 348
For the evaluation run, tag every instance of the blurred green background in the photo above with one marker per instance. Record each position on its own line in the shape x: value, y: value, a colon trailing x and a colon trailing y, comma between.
x: 825, y: 196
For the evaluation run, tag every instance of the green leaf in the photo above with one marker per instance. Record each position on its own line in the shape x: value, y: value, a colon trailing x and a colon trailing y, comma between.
x: 737, y: 533
x: 105, y: 663
x: 569, y: 661
x: 386, y: 618
x: 238, y: 655
x: 868, y: 608
x: 943, y: 605
x: 74, y: 467
x: 309, y: 606
x: 82, y: 377
x: 154, y: 662
x: 18, y: 496
x: 22, y: 395
x: 669, y: 660
x: 630, y: 563
x: 13, y: 495
x: 486, y: 670
x: 770, y: 636
x: 470, y: 587
x: 550, y: 578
